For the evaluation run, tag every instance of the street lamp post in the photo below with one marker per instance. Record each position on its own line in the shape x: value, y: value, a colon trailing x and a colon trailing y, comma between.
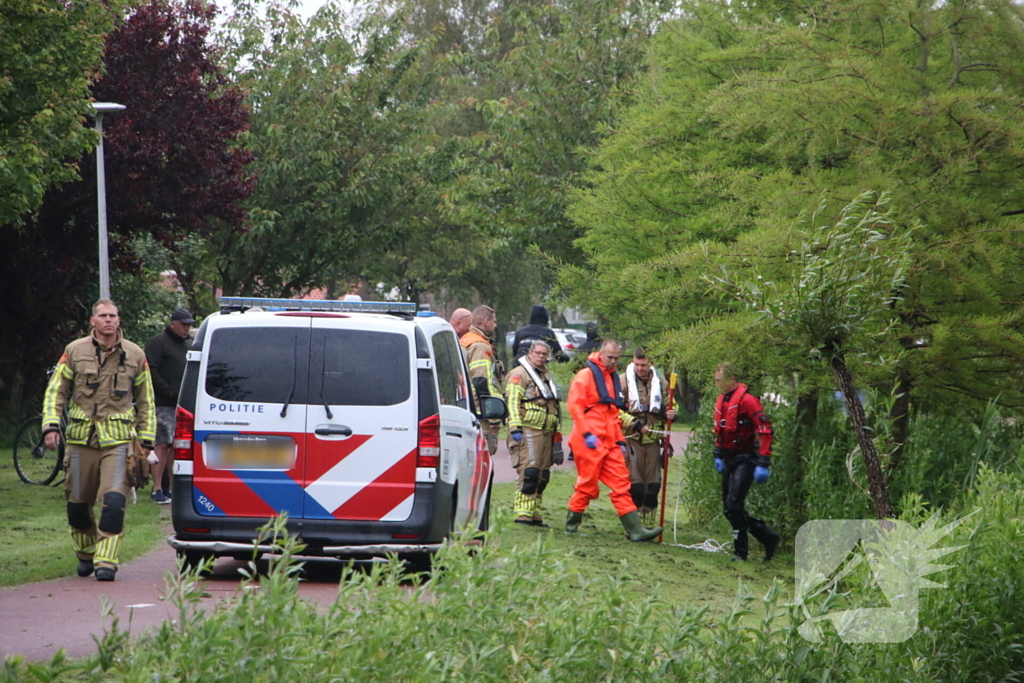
x: 102, y: 108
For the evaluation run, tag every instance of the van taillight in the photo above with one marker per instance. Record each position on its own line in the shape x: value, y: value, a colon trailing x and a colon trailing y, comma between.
x: 184, y: 434
x: 429, y: 453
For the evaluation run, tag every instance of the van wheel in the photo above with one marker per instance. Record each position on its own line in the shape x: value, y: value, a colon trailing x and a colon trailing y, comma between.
x: 196, y: 560
x: 423, y: 563
x: 419, y: 563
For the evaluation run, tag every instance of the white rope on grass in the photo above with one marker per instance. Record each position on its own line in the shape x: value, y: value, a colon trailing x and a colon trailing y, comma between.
x: 710, y: 545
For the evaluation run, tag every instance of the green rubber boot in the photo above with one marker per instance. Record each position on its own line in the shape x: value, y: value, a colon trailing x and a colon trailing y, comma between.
x: 635, y: 528
x: 572, y: 522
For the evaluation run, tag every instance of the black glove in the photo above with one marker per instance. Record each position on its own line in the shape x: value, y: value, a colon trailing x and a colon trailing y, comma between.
x: 557, y: 454
x: 637, y: 425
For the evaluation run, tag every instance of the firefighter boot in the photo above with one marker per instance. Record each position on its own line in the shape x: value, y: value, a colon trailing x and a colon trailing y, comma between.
x: 538, y: 515
x: 635, y: 528
x: 651, y: 518
x: 522, y: 508
x: 573, y: 521
x: 108, y: 557
x: 85, y: 547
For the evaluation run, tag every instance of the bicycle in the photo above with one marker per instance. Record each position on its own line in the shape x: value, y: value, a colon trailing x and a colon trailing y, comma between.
x: 33, y: 461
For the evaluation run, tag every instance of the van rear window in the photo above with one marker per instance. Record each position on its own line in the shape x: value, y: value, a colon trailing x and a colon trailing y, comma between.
x: 258, y: 364
x: 360, y: 367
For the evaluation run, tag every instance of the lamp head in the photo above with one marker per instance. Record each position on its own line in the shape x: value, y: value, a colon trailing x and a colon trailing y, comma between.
x: 107, y: 107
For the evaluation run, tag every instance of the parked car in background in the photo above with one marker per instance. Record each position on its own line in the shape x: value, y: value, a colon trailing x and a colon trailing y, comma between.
x: 570, y: 340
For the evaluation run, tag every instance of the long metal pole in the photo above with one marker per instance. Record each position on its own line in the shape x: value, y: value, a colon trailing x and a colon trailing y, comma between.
x: 101, y: 192
x: 666, y: 447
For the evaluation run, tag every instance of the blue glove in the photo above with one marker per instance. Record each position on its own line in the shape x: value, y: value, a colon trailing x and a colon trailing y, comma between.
x: 517, y: 436
x: 719, y: 465
x: 761, y: 474
x: 590, y: 440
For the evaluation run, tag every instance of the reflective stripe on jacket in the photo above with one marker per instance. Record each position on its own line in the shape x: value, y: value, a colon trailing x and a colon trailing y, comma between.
x: 527, y: 407
x: 480, y: 360
x: 99, y: 387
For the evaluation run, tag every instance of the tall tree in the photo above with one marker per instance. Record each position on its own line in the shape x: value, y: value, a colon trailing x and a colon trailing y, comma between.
x: 176, y: 168
x: 338, y: 132
x: 749, y: 115
x: 523, y: 86
x: 49, y: 52
x: 172, y: 170
x: 837, y: 301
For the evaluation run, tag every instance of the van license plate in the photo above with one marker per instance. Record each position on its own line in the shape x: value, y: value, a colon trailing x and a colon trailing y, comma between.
x: 245, y: 451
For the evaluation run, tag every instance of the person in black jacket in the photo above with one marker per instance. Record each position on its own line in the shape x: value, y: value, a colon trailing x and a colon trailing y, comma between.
x: 593, y: 342
x: 166, y: 354
x: 537, y: 330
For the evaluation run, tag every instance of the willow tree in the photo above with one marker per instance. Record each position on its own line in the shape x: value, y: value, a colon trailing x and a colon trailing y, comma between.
x: 836, y: 300
x: 749, y: 114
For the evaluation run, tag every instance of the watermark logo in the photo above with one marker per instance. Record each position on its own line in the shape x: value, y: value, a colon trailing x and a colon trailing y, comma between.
x: 860, y: 558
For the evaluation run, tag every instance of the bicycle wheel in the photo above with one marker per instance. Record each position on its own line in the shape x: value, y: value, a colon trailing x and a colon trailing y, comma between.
x: 34, y: 463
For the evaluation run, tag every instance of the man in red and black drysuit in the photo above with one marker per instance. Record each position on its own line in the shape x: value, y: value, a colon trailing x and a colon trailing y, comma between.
x: 743, y: 448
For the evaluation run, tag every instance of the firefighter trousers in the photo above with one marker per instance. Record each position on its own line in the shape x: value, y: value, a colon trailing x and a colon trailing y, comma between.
x: 644, y: 460
x: 97, y: 475
x: 532, y: 459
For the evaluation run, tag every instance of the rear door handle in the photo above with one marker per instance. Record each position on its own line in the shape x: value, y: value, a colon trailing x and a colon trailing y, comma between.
x: 453, y: 434
x: 340, y: 430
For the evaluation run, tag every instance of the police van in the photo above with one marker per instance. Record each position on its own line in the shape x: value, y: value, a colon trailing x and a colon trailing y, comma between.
x: 354, y: 418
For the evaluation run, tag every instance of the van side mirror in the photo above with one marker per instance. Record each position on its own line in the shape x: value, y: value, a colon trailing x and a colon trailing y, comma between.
x: 492, y: 408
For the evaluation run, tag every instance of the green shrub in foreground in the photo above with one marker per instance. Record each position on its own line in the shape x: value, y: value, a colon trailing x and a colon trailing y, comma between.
x: 488, y: 617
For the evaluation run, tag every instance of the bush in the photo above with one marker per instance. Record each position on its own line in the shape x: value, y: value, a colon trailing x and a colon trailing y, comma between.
x: 491, y: 617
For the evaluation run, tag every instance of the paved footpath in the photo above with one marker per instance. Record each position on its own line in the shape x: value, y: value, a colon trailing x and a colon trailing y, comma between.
x: 38, y: 619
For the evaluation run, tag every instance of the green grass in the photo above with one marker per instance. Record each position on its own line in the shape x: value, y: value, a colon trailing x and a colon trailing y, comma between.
x: 33, y: 529
x: 536, y: 605
x: 678, y: 576
x: 35, y: 535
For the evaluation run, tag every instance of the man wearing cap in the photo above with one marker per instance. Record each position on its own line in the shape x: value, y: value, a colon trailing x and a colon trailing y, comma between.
x: 166, y: 356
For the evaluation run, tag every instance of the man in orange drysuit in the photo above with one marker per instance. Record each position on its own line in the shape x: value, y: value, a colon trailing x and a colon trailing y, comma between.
x: 598, y: 444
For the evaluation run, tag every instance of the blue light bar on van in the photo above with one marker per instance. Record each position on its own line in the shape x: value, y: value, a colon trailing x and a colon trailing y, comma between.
x: 246, y: 302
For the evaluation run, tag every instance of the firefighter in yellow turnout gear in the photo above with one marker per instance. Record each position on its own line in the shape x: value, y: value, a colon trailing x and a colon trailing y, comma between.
x: 645, y: 395
x: 534, y: 416
x: 484, y: 368
x: 99, y: 378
